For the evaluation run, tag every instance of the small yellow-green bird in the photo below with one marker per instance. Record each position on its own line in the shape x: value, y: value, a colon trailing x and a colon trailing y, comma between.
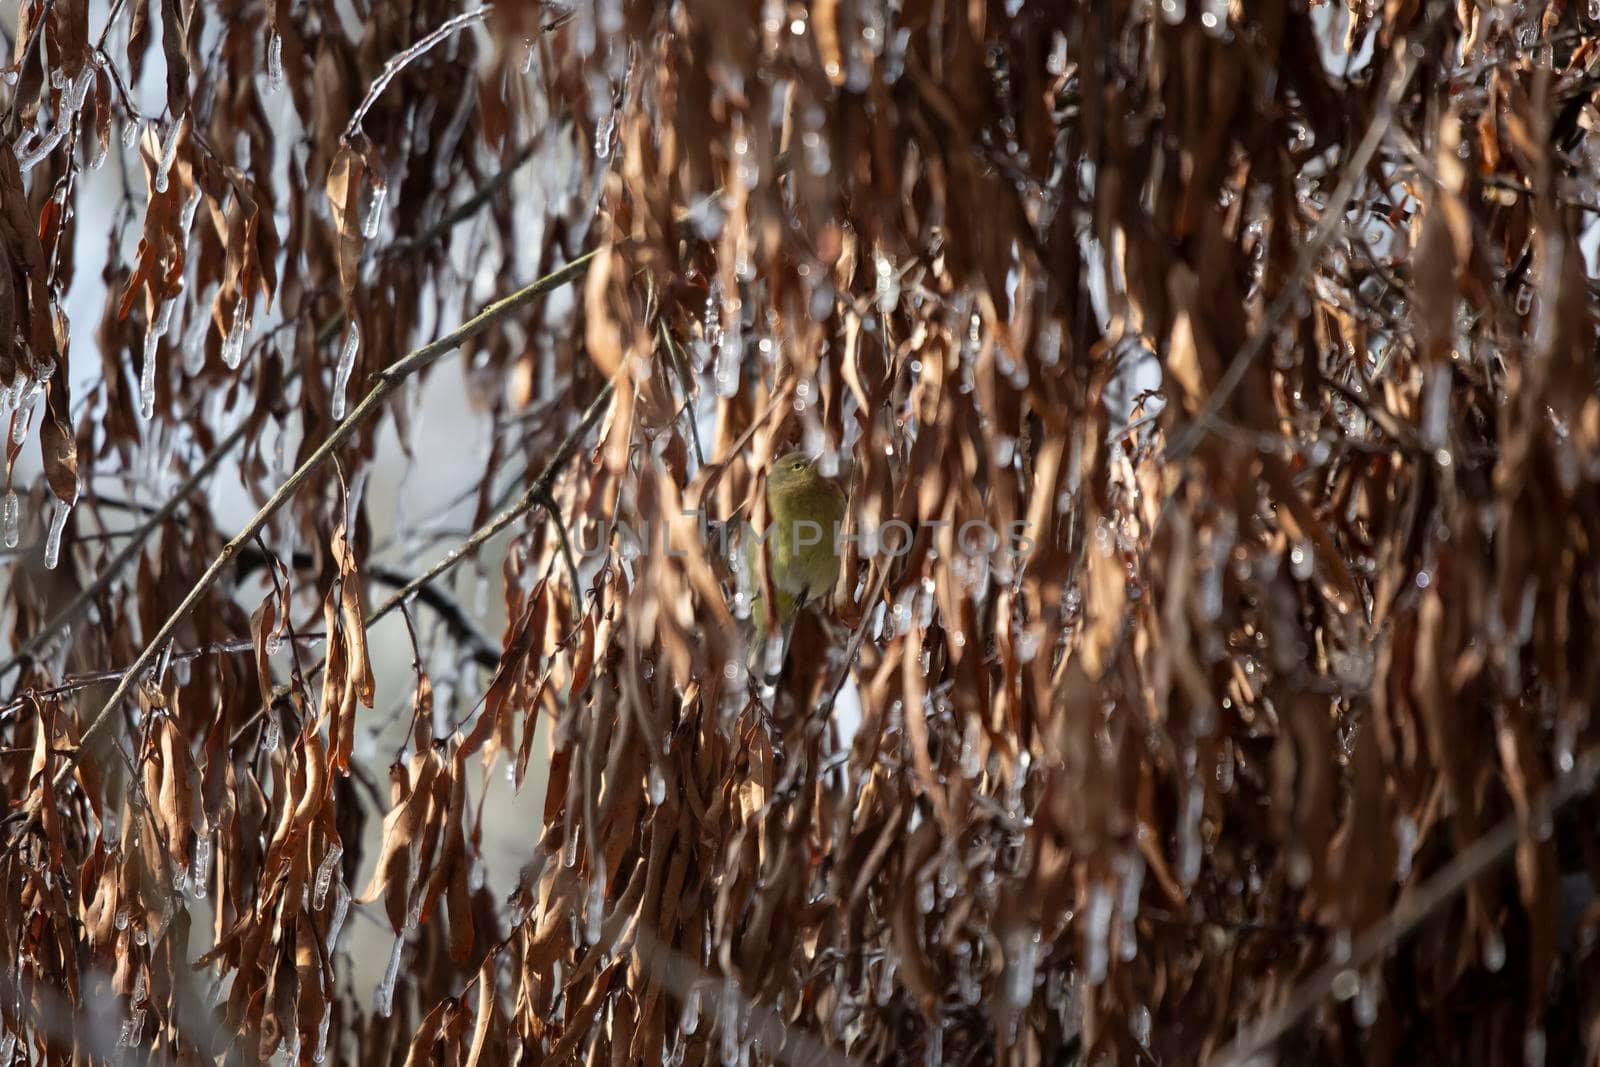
x: 804, y: 510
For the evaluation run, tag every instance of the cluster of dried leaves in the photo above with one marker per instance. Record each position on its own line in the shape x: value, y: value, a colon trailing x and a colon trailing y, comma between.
x: 1272, y: 327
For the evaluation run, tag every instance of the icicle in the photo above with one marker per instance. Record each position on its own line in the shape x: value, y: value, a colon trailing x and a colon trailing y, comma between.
x: 1405, y: 833
x: 386, y: 990
x: 330, y: 862
x: 130, y: 133
x: 11, y: 518
x: 169, y: 153
x: 1139, y: 1024
x: 79, y: 89
x: 269, y: 740
x: 201, y: 873
x: 1130, y: 868
x: 136, y: 1028
x: 341, y: 374
x: 1190, y: 846
x: 603, y: 134
x: 33, y: 156
x: 728, y: 1020
x: 341, y: 908
x: 322, y: 1034
x: 773, y: 663
x: 290, y: 1049
x: 275, y: 62
x: 689, y: 1021
x: 122, y: 918
x: 1302, y: 560
x: 1023, y: 958
x: 140, y: 988
x: 658, y: 785
x: 1494, y: 952
x: 233, y: 343
x: 369, y: 225
x: 58, y: 523
x: 1533, y: 1047
x: 594, y: 911
x: 147, y: 374
x: 1366, y: 1005
x: 24, y: 411
x: 1097, y: 934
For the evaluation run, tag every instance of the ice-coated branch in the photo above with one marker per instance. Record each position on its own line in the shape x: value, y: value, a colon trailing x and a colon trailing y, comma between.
x: 400, y: 60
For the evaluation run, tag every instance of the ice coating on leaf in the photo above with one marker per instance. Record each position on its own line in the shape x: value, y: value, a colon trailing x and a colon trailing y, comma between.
x: 341, y: 908
x: 78, y: 90
x: 169, y: 154
x: 325, y: 873
x: 374, y: 216
x: 323, y: 1028
x: 12, y: 518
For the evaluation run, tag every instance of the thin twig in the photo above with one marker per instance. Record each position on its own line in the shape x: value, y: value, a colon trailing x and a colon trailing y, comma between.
x: 557, y: 520
x: 76, y: 682
x: 1413, y: 909
x: 399, y: 61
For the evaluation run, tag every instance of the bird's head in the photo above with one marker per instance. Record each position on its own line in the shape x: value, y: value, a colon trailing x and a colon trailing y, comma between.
x: 795, y: 471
